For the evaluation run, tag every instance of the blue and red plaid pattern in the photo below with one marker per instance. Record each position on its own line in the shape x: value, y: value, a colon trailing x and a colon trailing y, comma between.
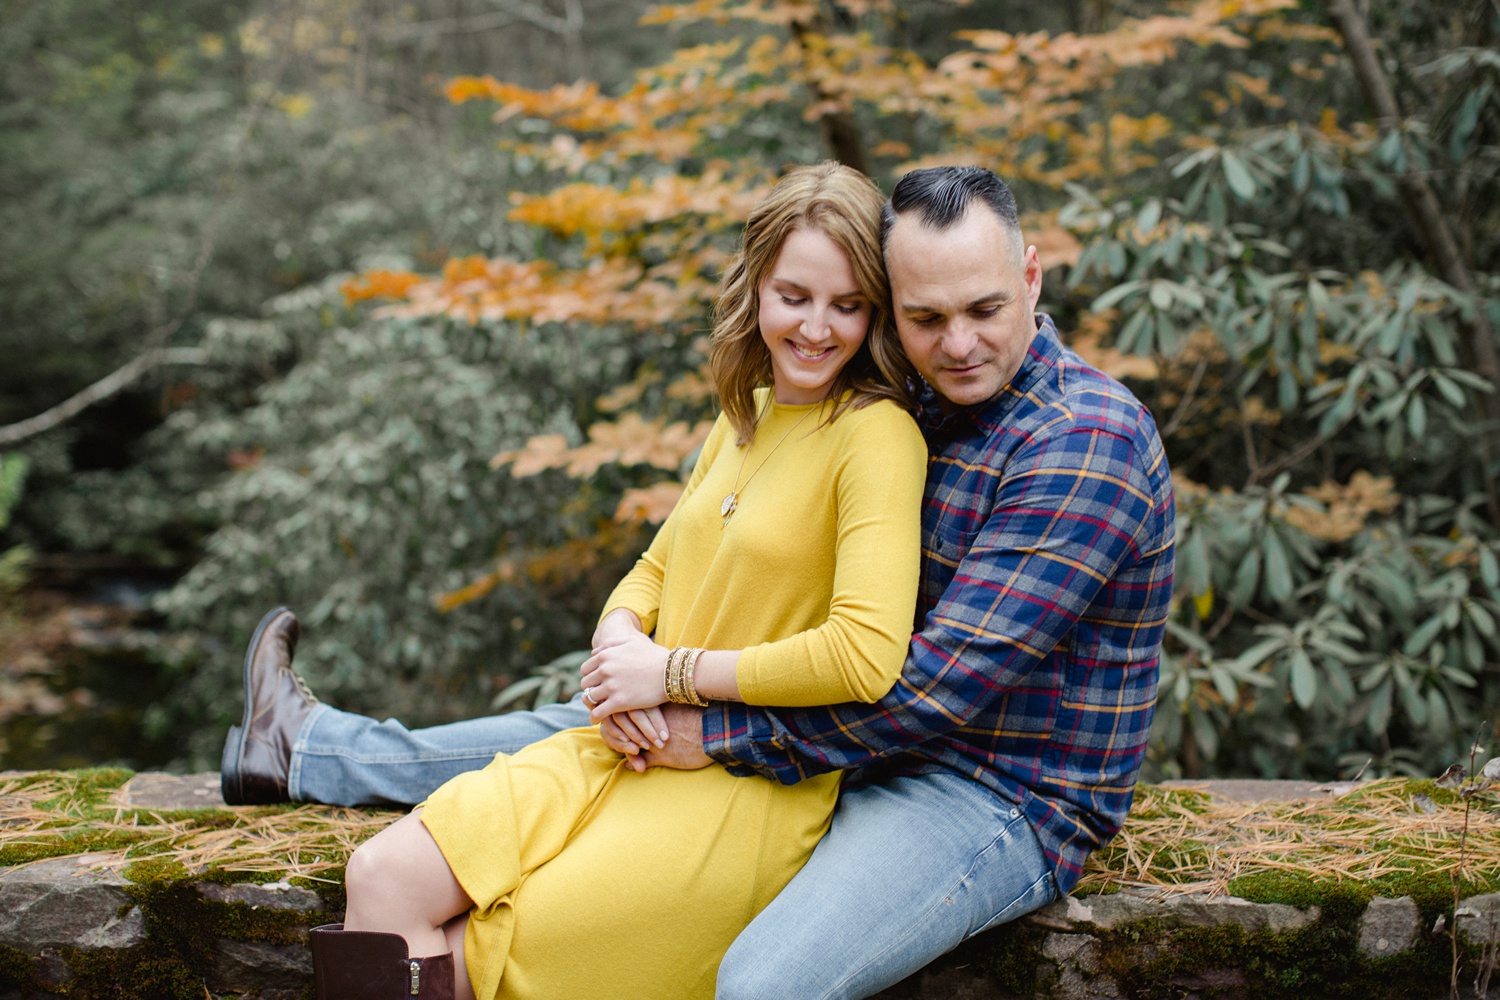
x: 1047, y: 529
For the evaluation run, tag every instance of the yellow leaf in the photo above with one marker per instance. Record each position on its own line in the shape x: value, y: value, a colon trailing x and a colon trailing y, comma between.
x: 295, y: 105
x: 449, y: 600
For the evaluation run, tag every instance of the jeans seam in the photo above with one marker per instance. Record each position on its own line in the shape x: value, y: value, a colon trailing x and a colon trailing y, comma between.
x: 423, y: 758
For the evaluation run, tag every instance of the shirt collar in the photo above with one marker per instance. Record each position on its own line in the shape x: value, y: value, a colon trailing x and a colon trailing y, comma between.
x: 1041, y: 358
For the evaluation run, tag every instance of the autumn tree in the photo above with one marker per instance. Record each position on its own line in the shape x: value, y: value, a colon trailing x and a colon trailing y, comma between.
x: 1287, y: 249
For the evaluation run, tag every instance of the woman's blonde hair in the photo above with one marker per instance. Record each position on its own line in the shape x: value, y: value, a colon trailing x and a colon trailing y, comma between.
x: 845, y: 206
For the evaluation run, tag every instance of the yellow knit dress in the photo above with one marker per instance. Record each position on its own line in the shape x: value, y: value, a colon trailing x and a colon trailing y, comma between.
x: 590, y: 880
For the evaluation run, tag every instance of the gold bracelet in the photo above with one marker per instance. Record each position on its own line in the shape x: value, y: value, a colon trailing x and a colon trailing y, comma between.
x: 679, y: 675
x: 688, y: 683
x: 671, y: 681
x: 678, y: 682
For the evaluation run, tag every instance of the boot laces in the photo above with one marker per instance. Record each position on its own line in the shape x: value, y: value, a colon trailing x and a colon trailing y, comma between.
x: 302, y: 686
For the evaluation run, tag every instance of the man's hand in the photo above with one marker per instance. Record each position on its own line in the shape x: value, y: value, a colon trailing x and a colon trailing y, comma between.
x: 683, y: 750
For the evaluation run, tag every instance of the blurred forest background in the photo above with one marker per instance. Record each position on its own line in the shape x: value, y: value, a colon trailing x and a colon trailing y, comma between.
x: 394, y: 312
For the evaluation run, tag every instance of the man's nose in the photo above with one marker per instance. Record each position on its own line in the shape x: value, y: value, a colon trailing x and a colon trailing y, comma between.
x: 959, y: 339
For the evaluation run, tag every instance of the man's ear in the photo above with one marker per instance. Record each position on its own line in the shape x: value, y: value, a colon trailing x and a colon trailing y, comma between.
x: 1031, y: 273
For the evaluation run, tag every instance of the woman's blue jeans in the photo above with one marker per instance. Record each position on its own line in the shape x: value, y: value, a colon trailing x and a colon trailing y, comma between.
x: 911, y: 866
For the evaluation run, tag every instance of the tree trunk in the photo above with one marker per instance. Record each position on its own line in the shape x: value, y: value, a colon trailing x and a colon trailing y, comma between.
x: 1421, y: 202
x: 838, y: 127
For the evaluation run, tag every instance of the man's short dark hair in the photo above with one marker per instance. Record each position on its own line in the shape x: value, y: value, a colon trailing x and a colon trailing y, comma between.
x: 941, y: 196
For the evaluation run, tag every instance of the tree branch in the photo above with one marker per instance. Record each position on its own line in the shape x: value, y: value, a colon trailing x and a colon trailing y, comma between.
x: 100, y: 390
x: 1432, y: 225
x: 509, y: 14
x: 1179, y: 414
x: 1293, y: 458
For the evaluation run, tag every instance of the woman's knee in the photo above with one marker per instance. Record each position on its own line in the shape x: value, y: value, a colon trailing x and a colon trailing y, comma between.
x: 371, y: 870
x: 402, y: 862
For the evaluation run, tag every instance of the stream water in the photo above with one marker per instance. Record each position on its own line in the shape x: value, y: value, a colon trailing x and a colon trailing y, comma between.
x: 101, y: 728
x: 88, y: 683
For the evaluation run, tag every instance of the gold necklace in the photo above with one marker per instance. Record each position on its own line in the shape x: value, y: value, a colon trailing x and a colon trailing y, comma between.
x: 732, y: 500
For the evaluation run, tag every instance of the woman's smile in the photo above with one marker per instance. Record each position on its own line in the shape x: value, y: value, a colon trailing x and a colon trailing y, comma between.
x: 810, y: 353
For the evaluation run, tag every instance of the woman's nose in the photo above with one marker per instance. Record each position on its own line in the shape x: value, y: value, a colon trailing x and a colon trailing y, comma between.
x: 816, y: 327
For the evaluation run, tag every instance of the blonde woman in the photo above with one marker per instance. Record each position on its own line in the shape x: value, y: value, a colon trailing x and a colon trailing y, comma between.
x: 786, y: 575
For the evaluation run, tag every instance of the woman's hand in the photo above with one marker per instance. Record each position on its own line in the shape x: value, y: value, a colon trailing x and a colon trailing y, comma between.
x: 625, y: 674
x: 618, y: 624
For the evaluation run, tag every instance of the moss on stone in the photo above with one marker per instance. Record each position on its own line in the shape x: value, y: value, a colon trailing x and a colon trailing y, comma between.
x: 1431, y: 891
x: 1009, y: 954
x: 138, y: 972
x: 17, y: 968
x: 1422, y: 786
x: 155, y: 870
x: 1338, y: 899
x: 1319, y: 961
x: 1156, y: 801
x: 335, y: 897
x: 189, y: 923
x: 80, y: 841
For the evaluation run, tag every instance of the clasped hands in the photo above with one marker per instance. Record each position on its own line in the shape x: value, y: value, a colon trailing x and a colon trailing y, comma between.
x: 624, y: 685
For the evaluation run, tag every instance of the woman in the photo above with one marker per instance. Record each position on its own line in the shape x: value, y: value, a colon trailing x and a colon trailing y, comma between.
x: 786, y: 575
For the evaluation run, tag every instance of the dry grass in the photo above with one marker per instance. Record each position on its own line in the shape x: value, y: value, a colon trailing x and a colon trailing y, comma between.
x: 1176, y: 841
x: 56, y: 815
x: 1187, y: 843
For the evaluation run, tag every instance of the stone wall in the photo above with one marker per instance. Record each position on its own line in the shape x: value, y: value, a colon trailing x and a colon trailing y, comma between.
x: 88, y: 925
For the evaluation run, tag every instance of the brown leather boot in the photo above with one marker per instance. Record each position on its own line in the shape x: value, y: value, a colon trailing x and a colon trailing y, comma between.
x: 371, y: 965
x: 258, y: 752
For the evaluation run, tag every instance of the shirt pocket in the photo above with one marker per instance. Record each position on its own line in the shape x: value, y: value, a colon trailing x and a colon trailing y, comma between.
x: 945, y: 549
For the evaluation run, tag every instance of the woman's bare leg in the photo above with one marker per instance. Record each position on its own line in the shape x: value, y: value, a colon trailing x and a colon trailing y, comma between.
x: 454, y: 929
x: 399, y: 882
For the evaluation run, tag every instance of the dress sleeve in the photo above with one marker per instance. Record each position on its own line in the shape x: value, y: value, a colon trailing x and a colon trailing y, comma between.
x: 856, y: 654
x: 640, y: 590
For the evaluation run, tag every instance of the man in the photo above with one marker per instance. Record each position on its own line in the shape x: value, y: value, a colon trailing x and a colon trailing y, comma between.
x: 1009, y: 748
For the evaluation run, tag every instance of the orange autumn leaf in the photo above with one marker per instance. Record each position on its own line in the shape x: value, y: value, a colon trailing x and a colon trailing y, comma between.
x: 540, y: 453
x: 380, y: 284
x: 650, y: 504
x: 627, y: 441
x: 449, y: 600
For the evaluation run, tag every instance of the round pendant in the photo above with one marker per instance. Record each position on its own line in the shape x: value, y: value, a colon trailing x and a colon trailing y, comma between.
x: 729, y: 506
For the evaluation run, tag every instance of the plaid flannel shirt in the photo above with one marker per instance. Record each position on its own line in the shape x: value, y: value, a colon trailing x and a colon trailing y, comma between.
x: 1047, y: 528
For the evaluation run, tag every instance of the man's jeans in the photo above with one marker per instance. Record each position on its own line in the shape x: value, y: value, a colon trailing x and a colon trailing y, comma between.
x: 911, y: 866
